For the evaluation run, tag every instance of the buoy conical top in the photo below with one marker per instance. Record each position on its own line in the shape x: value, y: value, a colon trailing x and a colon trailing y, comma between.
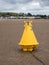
x: 28, y: 41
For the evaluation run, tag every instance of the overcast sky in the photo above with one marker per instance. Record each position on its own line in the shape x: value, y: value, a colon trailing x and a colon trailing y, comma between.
x: 25, y: 6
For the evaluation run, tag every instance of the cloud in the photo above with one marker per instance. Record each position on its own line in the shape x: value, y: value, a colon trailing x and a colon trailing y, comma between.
x: 44, y: 3
x: 10, y: 1
x: 32, y: 6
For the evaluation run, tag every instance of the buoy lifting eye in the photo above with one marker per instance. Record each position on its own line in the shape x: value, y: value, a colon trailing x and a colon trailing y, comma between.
x: 27, y: 23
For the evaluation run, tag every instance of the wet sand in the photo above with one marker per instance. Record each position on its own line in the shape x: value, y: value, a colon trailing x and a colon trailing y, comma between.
x: 10, y: 34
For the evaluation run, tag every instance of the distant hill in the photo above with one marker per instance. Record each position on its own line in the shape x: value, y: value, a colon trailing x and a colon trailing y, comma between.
x: 21, y: 15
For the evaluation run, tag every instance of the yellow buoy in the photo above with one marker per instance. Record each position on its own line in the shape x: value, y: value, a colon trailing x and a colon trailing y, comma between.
x: 28, y: 41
